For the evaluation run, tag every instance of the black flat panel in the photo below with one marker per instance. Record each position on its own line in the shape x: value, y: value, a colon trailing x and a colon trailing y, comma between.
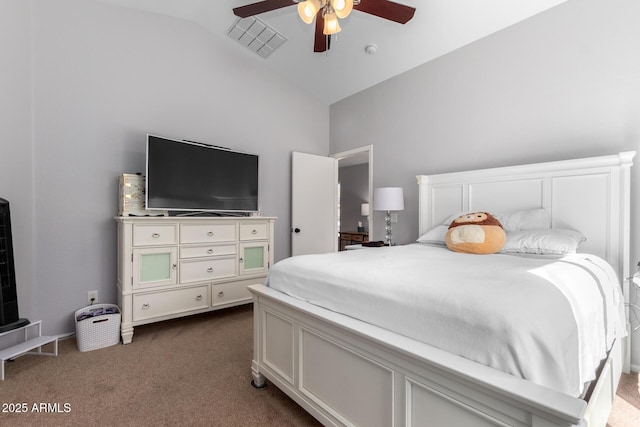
x: 8, y: 296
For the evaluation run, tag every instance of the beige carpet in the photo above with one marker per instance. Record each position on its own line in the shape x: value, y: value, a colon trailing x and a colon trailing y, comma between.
x: 626, y: 406
x: 192, y: 371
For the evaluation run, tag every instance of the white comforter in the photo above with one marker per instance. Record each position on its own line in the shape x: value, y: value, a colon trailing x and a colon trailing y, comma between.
x: 548, y: 321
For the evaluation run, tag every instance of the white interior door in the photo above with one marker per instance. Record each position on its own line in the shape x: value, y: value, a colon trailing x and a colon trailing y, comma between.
x: 314, y: 182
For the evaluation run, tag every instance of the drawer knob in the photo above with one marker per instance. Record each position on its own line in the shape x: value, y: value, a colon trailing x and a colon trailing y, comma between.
x: 221, y: 293
x: 174, y: 266
x: 254, y: 231
x: 241, y: 259
x: 199, y: 297
x: 145, y: 306
x: 155, y: 235
x: 210, y: 270
x: 209, y: 251
x: 210, y: 233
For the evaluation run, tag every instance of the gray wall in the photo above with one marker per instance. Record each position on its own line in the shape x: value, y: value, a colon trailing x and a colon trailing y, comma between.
x: 87, y: 81
x: 354, y: 190
x: 560, y: 85
x: 16, y: 150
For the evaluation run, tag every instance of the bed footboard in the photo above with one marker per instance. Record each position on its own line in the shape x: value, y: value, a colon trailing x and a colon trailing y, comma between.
x: 347, y: 372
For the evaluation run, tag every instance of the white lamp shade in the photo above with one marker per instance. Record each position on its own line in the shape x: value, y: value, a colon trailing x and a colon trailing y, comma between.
x: 342, y: 7
x: 388, y: 199
x: 331, y: 25
x: 364, y: 209
x: 308, y: 10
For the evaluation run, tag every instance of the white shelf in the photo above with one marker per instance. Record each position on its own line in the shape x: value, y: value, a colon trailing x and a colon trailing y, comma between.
x: 27, y: 344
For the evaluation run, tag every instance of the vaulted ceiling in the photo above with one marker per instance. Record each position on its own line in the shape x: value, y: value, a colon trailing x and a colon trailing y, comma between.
x: 438, y: 27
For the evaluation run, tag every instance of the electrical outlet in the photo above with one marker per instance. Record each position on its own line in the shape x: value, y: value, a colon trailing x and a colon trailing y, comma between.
x: 394, y: 217
x: 92, y: 295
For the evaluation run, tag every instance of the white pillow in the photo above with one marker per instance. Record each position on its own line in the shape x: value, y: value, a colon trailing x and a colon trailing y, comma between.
x: 551, y: 241
x: 534, y: 219
x: 436, y: 235
x: 521, y: 220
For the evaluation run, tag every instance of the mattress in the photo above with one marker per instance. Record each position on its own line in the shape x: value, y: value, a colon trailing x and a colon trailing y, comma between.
x: 549, y: 321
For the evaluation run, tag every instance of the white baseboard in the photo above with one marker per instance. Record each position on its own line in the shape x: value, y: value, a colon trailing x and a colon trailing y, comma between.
x: 635, y: 368
x: 73, y: 334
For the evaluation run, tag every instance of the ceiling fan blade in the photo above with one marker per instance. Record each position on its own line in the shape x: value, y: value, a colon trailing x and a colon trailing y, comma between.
x: 261, y: 7
x: 321, y: 42
x: 396, y: 12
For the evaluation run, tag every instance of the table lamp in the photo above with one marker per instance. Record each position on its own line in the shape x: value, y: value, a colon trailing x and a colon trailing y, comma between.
x: 388, y: 199
x: 364, y: 211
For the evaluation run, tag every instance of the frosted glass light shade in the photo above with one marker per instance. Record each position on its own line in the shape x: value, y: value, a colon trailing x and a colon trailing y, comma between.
x: 388, y: 199
x: 342, y: 7
x: 331, y: 25
x: 308, y: 10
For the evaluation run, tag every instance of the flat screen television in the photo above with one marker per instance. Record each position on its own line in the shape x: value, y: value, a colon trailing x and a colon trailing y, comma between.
x: 190, y: 176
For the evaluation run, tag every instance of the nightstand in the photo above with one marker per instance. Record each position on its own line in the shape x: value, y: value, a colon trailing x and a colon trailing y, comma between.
x: 352, y: 238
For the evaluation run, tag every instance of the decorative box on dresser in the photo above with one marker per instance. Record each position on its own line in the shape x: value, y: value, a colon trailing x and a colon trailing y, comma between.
x: 170, y: 267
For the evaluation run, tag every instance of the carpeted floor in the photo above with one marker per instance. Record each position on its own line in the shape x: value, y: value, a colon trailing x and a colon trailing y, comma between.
x: 626, y: 406
x: 193, y: 371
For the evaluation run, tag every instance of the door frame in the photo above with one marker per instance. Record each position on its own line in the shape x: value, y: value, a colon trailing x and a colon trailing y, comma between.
x: 349, y: 155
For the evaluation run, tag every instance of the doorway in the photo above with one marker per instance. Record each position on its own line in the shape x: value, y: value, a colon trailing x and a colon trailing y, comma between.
x: 314, y: 202
x: 354, y: 196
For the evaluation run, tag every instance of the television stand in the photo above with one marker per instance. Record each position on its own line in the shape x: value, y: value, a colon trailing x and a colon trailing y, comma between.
x: 170, y: 267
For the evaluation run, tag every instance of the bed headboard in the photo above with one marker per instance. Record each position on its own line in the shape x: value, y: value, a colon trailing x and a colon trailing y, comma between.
x: 591, y: 195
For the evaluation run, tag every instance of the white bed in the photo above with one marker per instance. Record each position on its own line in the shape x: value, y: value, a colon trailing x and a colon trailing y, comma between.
x: 548, y: 320
x: 345, y: 371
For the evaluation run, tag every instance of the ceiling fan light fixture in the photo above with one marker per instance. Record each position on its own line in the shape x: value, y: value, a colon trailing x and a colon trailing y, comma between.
x: 342, y: 7
x: 328, y: 24
x: 331, y: 25
x: 308, y: 10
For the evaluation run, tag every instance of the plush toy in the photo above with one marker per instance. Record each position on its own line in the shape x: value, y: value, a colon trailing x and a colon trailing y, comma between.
x: 476, y: 233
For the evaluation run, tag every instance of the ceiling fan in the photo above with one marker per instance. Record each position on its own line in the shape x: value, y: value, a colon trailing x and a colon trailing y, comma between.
x: 327, y: 12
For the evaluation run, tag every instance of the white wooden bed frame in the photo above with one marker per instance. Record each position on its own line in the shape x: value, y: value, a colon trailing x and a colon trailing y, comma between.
x: 347, y: 372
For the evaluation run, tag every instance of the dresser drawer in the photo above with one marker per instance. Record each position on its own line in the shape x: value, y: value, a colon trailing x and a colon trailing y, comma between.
x: 226, y: 293
x: 253, y: 231
x: 207, y: 269
x: 207, y: 251
x: 154, y: 234
x: 207, y: 233
x: 156, y: 304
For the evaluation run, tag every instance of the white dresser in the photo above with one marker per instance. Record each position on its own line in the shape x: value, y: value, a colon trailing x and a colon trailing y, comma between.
x: 171, y: 267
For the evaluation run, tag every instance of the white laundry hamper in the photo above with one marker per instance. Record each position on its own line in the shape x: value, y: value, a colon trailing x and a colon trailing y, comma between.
x: 97, y: 326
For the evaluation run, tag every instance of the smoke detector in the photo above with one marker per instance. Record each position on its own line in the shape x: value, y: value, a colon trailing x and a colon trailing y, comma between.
x: 371, y: 49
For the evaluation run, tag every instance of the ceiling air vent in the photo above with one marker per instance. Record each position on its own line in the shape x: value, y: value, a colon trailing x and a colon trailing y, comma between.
x: 256, y: 36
